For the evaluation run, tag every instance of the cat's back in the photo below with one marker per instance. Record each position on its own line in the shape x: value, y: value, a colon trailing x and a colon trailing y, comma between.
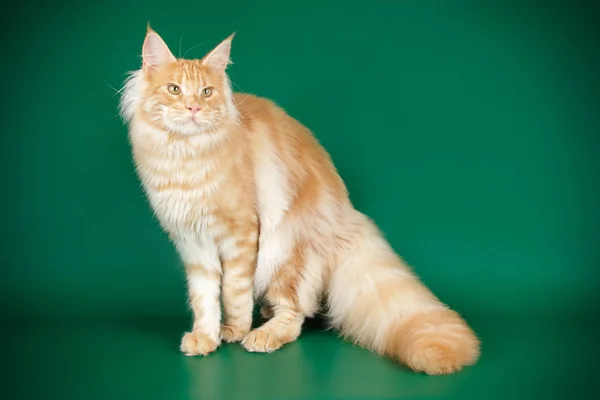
x: 288, y: 158
x: 263, y: 120
x: 252, y: 106
x: 259, y: 112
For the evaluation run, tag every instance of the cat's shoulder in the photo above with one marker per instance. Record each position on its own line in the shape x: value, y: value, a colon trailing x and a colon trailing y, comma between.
x: 250, y: 103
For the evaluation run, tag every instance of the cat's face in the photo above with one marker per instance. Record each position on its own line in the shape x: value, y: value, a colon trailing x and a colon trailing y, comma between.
x: 185, y: 97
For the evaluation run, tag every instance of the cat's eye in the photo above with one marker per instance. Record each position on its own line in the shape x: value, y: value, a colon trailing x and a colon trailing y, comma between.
x: 207, y: 91
x: 174, y: 89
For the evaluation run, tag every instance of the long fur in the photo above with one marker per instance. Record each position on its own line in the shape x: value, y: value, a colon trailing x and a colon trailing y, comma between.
x: 277, y: 185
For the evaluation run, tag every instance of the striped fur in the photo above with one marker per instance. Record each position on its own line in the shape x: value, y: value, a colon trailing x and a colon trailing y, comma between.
x: 257, y: 210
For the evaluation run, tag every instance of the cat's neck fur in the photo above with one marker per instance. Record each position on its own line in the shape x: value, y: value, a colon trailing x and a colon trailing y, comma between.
x: 158, y: 141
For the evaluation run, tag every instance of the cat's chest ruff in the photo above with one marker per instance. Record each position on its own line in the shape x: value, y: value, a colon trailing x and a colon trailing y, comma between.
x: 182, y: 177
x: 182, y: 194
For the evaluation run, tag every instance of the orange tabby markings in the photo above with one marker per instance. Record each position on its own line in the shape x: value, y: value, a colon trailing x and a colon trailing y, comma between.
x: 253, y: 202
x: 237, y: 291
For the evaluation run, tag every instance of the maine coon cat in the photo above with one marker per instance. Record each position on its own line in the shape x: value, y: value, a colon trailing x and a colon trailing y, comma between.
x: 256, y: 210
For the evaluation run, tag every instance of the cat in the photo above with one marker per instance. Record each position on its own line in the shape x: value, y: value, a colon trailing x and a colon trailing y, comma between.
x: 257, y: 211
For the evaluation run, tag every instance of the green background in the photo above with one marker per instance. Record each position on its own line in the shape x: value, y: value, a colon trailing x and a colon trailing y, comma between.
x: 468, y: 130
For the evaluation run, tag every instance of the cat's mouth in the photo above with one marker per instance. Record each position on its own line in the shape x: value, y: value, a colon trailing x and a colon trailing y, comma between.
x: 189, y: 120
x: 190, y: 124
x: 195, y: 121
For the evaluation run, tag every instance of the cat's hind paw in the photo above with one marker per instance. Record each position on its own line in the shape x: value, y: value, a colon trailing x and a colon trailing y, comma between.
x: 261, y: 341
x: 232, y: 334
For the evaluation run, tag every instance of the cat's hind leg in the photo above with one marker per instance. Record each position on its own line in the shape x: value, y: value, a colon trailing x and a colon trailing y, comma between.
x: 293, y: 293
x: 284, y: 327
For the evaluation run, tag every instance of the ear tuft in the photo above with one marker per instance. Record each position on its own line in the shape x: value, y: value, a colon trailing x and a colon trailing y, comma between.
x: 155, y: 52
x: 218, y: 58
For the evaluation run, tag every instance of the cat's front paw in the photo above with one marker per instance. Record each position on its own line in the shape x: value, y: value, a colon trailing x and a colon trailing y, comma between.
x: 262, y: 341
x: 197, y: 343
x: 232, y: 334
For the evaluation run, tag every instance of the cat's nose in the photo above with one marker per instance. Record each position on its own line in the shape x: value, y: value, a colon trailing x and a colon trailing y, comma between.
x: 194, y: 109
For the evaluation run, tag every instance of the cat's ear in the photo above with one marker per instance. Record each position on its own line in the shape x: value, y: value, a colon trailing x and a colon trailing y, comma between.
x: 155, y: 52
x: 218, y: 58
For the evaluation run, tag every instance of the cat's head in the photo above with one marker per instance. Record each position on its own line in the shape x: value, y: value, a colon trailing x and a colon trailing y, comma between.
x: 180, y: 96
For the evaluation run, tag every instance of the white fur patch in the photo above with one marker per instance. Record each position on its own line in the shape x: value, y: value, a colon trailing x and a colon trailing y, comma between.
x: 176, y: 149
x: 274, y: 198
x: 209, y: 291
x: 198, y: 249
x: 209, y: 140
x: 229, y: 249
x: 275, y: 248
x: 132, y: 91
x: 274, y: 190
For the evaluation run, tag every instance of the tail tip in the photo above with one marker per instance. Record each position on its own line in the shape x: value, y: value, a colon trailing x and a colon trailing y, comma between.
x: 442, y: 359
x: 437, y: 343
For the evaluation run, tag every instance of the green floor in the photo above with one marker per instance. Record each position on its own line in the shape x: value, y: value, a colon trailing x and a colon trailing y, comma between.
x: 525, y: 357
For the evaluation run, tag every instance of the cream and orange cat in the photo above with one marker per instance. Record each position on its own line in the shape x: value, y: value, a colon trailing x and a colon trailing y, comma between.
x: 256, y: 210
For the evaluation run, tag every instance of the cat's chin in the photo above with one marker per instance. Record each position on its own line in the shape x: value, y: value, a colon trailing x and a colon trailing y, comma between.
x: 190, y: 128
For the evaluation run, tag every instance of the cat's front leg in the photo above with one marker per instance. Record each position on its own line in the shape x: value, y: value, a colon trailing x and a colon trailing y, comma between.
x: 239, y: 264
x: 203, y: 272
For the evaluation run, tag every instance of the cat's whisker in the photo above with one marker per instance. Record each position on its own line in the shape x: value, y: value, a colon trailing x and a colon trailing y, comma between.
x: 117, y: 91
x: 193, y: 47
x: 181, y: 39
x: 242, y: 102
x: 235, y: 84
x: 224, y: 115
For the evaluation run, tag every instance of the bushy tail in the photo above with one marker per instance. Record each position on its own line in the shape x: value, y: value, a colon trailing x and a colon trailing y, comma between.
x: 378, y: 303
